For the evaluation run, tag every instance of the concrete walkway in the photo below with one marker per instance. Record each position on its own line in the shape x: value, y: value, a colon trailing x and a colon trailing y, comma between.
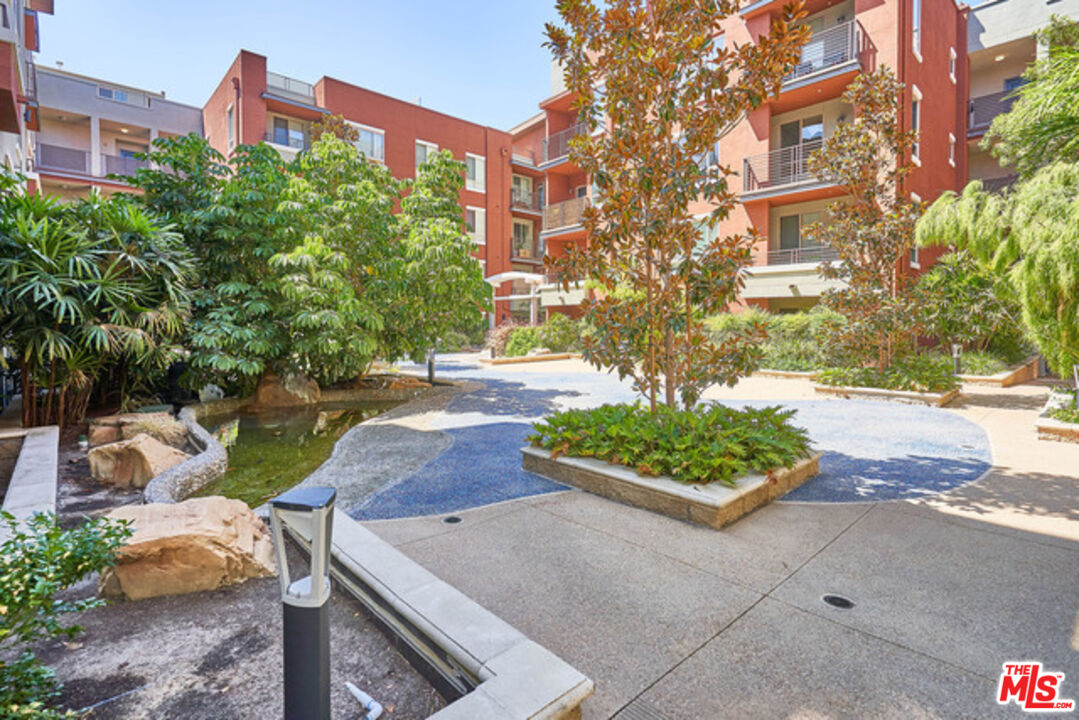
x: 676, y: 621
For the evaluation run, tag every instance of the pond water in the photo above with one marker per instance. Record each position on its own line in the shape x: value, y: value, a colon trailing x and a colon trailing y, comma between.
x: 272, y: 450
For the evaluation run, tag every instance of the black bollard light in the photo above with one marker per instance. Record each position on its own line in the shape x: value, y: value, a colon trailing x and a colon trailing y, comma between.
x: 309, y: 513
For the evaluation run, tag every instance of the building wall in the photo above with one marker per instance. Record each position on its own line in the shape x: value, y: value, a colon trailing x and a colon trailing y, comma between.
x: 241, y: 87
x: 999, y: 21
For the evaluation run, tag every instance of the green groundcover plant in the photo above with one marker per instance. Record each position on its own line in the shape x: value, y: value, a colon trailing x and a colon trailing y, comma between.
x: 37, y: 561
x: 982, y: 363
x: 916, y: 373
x: 1068, y: 413
x: 707, y: 443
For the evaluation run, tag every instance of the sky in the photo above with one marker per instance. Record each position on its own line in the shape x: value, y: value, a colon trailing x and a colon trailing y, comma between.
x: 481, y: 60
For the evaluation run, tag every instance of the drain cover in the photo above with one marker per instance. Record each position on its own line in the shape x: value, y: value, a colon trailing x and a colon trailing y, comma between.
x: 838, y: 601
x: 452, y: 519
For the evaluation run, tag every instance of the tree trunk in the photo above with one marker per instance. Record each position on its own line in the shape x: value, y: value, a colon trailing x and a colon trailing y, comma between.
x: 27, y: 397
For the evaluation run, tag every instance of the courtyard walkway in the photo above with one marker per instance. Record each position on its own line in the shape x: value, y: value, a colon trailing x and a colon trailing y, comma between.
x: 955, y: 533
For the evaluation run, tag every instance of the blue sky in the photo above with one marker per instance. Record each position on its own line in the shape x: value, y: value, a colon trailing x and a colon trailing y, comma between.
x: 478, y: 59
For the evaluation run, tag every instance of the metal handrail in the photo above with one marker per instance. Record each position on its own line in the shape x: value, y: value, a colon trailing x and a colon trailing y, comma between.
x: 303, y: 143
x: 56, y: 157
x: 986, y: 107
x: 557, y: 146
x: 524, y: 200
x: 793, y: 256
x: 118, y: 165
x: 564, y: 214
x: 277, y: 81
x: 831, y: 47
x: 777, y: 168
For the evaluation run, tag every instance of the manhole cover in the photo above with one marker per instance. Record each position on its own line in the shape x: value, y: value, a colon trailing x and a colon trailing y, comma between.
x: 452, y: 519
x: 838, y: 601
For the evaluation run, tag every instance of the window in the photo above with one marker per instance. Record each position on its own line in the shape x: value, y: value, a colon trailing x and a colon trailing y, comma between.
x: 951, y: 149
x: 915, y: 257
x: 1012, y: 83
x: 709, y: 160
x: 3, y: 15
x: 475, y: 173
x: 423, y: 150
x: 523, y: 247
x: 801, y: 132
x: 231, y: 127
x: 112, y: 94
x: 916, y: 123
x: 581, y: 191
x: 476, y: 222
x: 288, y: 131
x: 371, y: 142
x: 521, y: 193
x: 951, y: 64
x: 792, y: 230
x: 916, y: 29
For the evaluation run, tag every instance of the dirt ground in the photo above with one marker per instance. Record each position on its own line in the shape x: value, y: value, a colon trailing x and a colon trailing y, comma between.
x: 213, y: 655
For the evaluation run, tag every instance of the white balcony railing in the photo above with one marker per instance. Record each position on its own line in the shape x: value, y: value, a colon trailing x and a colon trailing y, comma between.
x: 55, y: 157
x: 829, y: 48
x: 277, y: 83
x: 778, y: 168
x: 793, y: 256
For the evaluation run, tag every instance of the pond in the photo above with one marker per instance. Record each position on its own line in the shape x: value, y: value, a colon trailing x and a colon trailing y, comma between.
x: 272, y: 450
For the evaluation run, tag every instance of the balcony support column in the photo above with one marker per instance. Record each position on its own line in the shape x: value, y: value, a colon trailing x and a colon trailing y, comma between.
x: 95, y: 146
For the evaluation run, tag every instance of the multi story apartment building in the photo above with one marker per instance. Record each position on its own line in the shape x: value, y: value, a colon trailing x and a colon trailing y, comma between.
x: 251, y: 104
x: 19, y: 40
x: 1001, y: 45
x: 923, y: 41
x: 90, y: 130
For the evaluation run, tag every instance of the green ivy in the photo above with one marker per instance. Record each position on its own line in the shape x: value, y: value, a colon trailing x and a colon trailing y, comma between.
x: 708, y: 443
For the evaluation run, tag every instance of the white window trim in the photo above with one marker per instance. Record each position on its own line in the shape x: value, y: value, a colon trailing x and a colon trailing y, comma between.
x: 953, y: 61
x: 916, y: 32
x: 230, y: 131
x: 478, y: 211
x: 481, y: 186
x: 377, y: 131
x: 916, y: 151
x: 951, y: 149
x: 430, y: 146
x: 915, y: 259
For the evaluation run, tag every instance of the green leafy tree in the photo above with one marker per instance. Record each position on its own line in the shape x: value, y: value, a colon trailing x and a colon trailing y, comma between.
x: 1029, y: 237
x: 338, y: 276
x: 669, y: 92
x: 81, y: 286
x: 1042, y: 126
x: 442, y: 289
x: 872, y: 227
x: 38, y: 560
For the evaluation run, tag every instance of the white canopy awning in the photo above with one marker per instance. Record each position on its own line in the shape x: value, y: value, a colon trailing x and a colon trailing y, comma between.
x: 529, y: 278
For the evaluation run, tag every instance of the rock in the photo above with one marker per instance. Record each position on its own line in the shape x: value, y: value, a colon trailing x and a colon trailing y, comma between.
x: 109, y: 429
x: 211, y: 392
x: 287, y: 391
x: 133, y: 462
x: 196, y: 545
x: 167, y: 430
x: 406, y: 382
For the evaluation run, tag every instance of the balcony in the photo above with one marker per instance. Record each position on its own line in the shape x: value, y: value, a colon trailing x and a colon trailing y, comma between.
x: 983, y: 109
x: 556, y: 147
x: 829, y: 52
x: 774, y: 172
x: 114, y: 165
x: 526, y: 201
x: 290, y: 88
x: 289, y: 139
x: 54, y: 157
x: 530, y: 250
x: 795, y: 256
x: 566, y: 214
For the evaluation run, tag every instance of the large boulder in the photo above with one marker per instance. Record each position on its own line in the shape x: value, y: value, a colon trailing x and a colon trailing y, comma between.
x: 163, y: 429
x: 133, y: 462
x: 286, y: 391
x: 110, y: 429
x: 196, y: 545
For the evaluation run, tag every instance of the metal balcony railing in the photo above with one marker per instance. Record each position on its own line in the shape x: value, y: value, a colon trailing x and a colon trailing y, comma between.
x: 115, y: 165
x: 526, y: 249
x: 829, y: 48
x: 793, y: 256
x: 777, y: 168
x: 54, y: 157
x: 524, y: 200
x: 29, y: 77
x: 983, y: 109
x: 564, y: 214
x: 275, y: 82
x: 556, y: 146
x: 289, y: 140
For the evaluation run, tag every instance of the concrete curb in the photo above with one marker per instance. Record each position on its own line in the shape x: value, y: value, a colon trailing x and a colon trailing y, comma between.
x: 903, y: 396
x: 500, y: 673
x: 714, y: 504
x: 32, y: 488
x: 787, y: 374
x: 528, y: 358
x: 1025, y: 372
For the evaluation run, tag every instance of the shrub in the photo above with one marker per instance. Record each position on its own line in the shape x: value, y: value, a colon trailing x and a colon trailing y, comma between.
x: 522, y: 340
x: 915, y: 373
x: 794, y: 340
x: 38, y: 561
x: 708, y: 443
x: 560, y: 333
x: 1068, y: 413
x: 499, y: 337
x: 982, y: 363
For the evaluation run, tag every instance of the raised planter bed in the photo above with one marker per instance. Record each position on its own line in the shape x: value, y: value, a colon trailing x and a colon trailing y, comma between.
x: 787, y: 374
x: 714, y: 504
x: 1051, y: 429
x: 1025, y: 372
x: 903, y: 396
x: 528, y: 358
x: 32, y: 487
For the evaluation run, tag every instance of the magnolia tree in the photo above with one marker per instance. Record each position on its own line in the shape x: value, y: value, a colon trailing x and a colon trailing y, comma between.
x: 652, y: 75
x: 872, y: 226
x: 442, y: 283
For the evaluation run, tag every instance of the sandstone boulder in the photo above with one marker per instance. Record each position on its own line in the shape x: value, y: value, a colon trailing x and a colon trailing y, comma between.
x: 133, y: 462
x: 109, y: 429
x: 167, y: 430
x: 286, y: 391
x: 196, y: 545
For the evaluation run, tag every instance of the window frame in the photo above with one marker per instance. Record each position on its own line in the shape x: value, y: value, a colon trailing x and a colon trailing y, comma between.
x: 916, y: 124
x: 480, y: 183
x: 915, y: 252
x: 951, y: 149
x: 479, y: 230
x: 953, y: 61
x: 360, y: 127
x: 916, y: 29
x: 429, y: 145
